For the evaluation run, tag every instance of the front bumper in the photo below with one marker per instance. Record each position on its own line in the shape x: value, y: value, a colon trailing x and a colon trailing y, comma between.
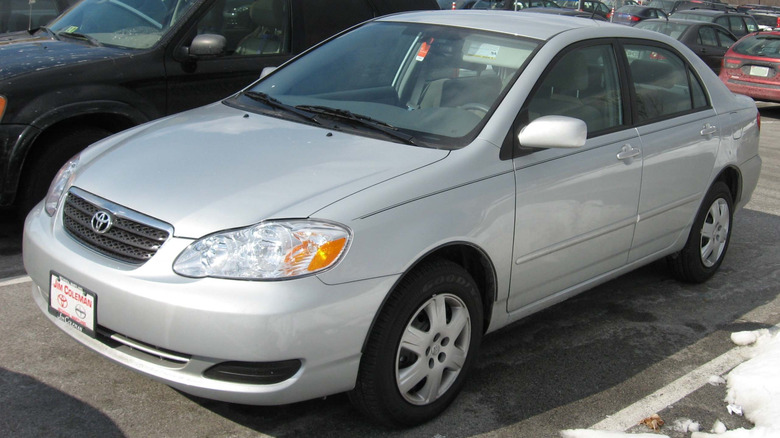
x: 210, y: 321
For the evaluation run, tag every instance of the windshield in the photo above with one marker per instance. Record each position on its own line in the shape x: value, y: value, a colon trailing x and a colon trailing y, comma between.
x: 759, y: 45
x: 433, y: 84
x: 666, y: 5
x: 136, y: 24
x: 674, y: 30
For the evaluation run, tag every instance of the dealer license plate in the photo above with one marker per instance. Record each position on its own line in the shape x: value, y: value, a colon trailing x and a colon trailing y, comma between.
x: 73, y: 304
x: 756, y: 70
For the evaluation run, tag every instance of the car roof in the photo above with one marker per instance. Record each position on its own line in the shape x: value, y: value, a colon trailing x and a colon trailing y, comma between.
x: 708, y: 12
x: 537, y: 26
x: 683, y: 21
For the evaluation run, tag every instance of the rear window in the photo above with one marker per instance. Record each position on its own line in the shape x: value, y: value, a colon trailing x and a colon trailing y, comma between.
x: 759, y: 45
x: 696, y: 17
x: 767, y: 20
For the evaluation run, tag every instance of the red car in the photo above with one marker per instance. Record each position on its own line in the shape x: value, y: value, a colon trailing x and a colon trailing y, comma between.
x: 752, y: 66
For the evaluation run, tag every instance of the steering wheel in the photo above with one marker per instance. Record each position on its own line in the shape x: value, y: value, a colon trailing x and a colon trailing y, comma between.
x: 475, y: 107
x: 138, y: 14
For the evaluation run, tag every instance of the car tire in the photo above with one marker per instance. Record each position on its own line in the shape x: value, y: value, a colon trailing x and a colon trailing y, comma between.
x: 44, y: 166
x: 414, y: 363
x: 709, y: 238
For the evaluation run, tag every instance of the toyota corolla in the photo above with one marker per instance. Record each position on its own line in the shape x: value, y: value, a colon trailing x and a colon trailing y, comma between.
x: 358, y: 219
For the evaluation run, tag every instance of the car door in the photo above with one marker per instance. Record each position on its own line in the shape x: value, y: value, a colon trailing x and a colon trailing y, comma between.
x: 680, y: 136
x: 257, y: 34
x: 575, y: 208
x: 708, y: 47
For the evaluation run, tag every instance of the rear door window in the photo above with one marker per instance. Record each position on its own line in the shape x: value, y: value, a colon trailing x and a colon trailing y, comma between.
x: 663, y: 84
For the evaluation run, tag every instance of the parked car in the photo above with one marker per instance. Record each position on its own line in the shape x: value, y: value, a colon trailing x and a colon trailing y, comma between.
x: 120, y: 63
x: 738, y: 24
x: 16, y: 15
x: 766, y: 19
x: 514, y: 5
x: 588, y: 6
x: 632, y: 15
x: 709, y: 41
x: 750, y: 7
x: 671, y: 6
x: 617, y: 4
x: 358, y: 219
x: 752, y: 66
x: 459, y: 4
x: 567, y: 12
x: 527, y: 4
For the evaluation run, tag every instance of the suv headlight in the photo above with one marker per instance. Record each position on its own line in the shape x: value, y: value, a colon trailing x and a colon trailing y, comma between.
x: 268, y: 250
x: 58, y: 185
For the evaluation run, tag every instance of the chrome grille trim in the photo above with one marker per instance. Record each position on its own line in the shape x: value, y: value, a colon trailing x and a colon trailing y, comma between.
x: 134, y: 238
x: 149, y: 350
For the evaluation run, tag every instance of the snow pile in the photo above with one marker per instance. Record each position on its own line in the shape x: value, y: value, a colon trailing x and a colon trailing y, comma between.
x: 588, y: 433
x: 754, y: 388
x: 685, y: 425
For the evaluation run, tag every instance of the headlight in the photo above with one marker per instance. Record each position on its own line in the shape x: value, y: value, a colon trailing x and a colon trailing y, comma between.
x: 59, y: 184
x: 269, y: 250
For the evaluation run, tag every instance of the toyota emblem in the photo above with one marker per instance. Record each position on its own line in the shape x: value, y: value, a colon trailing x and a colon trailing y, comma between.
x: 101, y: 222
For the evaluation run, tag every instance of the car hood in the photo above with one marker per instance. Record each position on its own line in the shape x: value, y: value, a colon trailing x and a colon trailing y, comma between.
x: 22, y: 53
x: 217, y: 168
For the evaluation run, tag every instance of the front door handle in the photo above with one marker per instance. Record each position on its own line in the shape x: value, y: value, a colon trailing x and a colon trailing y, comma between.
x: 628, y: 152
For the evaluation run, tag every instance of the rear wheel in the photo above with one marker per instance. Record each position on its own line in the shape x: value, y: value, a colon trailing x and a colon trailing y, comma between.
x: 709, y: 238
x: 421, y: 347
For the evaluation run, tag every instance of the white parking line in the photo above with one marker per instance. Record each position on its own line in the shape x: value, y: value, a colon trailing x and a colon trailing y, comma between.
x: 17, y: 280
x: 671, y: 393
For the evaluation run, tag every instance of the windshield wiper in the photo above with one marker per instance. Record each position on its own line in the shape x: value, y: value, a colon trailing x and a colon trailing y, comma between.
x: 360, y: 119
x: 79, y: 36
x: 276, y: 104
x: 45, y: 29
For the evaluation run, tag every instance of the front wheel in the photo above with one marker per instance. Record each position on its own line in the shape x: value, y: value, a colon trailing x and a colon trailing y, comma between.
x: 709, y: 238
x: 421, y: 347
x: 42, y: 168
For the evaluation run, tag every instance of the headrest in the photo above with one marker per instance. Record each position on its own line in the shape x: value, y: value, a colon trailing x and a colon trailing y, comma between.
x: 658, y: 73
x: 570, y: 73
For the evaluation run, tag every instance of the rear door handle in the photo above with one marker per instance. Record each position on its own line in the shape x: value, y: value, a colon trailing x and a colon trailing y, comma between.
x: 628, y: 152
x: 708, y: 130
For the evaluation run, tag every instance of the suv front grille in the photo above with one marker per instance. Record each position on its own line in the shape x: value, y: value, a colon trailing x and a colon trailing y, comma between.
x: 131, y: 238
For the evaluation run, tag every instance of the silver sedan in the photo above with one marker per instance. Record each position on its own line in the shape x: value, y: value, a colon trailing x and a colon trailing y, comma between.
x: 360, y: 217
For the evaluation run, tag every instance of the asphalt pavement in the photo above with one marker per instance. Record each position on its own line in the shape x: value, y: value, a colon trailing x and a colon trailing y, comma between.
x: 637, y: 345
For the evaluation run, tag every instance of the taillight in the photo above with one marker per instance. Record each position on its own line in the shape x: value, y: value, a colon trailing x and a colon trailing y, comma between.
x: 758, y: 120
x: 731, y: 63
x: 634, y: 18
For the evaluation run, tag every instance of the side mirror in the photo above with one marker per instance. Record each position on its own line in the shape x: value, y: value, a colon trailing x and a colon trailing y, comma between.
x: 207, y: 45
x: 554, y: 132
x: 266, y: 71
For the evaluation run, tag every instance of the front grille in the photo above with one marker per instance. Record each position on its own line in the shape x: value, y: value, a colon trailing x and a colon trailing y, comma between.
x: 132, y: 238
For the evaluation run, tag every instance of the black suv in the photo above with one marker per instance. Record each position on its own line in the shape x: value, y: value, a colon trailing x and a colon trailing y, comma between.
x: 738, y: 24
x: 107, y: 65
